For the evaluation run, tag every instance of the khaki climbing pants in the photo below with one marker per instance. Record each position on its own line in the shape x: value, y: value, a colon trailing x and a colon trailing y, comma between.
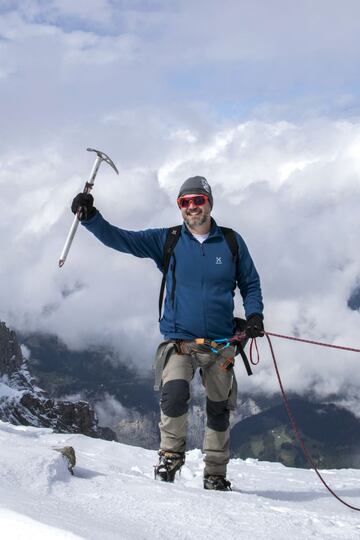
x: 177, y: 369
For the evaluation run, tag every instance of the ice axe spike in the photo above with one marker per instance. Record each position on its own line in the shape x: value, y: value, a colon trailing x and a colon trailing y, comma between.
x: 100, y: 156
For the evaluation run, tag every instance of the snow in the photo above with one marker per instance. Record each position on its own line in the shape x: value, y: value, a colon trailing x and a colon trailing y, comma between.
x: 7, y: 391
x: 18, y: 527
x: 113, y: 495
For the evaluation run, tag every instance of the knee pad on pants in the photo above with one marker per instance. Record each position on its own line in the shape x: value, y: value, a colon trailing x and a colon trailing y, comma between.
x: 217, y: 415
x: 175, y: 397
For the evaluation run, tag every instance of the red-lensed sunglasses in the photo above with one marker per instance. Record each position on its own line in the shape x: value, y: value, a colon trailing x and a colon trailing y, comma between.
x: 197, y: 200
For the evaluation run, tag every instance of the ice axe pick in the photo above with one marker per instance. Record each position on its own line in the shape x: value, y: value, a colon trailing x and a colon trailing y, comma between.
x: 100, y: 156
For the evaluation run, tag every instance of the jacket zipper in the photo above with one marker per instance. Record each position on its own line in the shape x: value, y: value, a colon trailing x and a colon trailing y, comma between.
x: 203, y: 287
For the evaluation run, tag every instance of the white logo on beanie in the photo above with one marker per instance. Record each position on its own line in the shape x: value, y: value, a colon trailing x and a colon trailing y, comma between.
x: 205, y: 185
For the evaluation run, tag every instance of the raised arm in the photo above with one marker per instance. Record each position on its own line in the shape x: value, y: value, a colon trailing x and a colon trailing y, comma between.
x: 147, y: 244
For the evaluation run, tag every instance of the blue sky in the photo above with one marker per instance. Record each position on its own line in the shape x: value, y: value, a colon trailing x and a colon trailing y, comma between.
x: 260, y: 97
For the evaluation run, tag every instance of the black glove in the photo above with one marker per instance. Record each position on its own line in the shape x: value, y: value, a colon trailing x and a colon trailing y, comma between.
x: 254, y: 326
x: 86, y: 202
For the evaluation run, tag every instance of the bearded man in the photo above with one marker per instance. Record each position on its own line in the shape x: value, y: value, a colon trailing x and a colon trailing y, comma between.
x: 199, y: 308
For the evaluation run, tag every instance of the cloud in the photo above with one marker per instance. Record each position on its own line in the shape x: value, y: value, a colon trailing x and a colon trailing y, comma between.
x: 110, y: 411
x: 291, y: 190
x: 253, y: 103
x: 250, y: 57
x: 96, y: 12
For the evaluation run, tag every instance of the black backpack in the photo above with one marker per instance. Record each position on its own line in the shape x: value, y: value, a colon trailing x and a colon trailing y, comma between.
x: 172, y: 238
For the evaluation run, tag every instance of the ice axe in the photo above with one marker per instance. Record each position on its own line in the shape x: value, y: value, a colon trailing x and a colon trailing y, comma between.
x: 100, y: 156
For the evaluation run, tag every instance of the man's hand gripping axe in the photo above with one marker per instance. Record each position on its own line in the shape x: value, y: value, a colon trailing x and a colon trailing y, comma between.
x: 100, y: 156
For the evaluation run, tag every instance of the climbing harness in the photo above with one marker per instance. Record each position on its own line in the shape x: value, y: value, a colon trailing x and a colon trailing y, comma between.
x: 239, y: 340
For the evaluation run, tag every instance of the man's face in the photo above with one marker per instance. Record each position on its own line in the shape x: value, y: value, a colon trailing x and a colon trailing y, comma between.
x: 195, y: 215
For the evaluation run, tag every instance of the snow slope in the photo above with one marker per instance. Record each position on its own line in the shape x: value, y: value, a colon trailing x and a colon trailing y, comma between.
x: 113, y: 495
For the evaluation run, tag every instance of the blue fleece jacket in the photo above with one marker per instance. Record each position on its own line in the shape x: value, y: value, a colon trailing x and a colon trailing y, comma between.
x: 206, y: 277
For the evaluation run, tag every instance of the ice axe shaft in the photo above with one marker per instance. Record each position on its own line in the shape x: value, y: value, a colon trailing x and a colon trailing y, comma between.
x: 100, y: 156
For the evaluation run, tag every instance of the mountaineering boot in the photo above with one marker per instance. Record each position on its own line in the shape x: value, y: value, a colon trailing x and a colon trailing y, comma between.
x: 216, y: 482
x: 169, y: 463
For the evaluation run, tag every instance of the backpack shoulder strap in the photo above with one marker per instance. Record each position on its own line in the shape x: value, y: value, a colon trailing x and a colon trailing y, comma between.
x: 230, y: 238
x: 173, y: 235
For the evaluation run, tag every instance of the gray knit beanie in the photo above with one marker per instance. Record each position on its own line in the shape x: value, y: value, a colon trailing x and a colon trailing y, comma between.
x: 197, y: 185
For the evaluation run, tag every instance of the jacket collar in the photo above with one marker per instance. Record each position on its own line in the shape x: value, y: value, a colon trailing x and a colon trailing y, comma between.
x: 214, y: 231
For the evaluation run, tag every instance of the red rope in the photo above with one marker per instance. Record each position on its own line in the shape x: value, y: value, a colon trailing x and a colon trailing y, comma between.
x: 288, y: 409
x: 314, y: 342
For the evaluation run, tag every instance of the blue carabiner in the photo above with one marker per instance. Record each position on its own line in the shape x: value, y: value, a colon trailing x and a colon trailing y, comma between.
x: 222, y: 348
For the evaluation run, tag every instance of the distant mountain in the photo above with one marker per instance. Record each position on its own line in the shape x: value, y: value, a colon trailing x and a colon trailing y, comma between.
x: 331, y: 433
x: 23, y: 402
x: 92, y: 372
x: 354, y: 298
x: 97, y: 373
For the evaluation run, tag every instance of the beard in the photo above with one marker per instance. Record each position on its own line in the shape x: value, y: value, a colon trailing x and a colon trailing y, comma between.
x: 195, y: 220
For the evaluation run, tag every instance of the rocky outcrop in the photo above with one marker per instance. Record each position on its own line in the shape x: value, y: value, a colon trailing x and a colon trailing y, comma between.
x: 22, y: 402
x: 11, y: 358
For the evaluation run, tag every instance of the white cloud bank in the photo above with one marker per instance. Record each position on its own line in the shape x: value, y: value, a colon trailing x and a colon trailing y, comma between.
x: 156, y: 89
x: 291, y: 190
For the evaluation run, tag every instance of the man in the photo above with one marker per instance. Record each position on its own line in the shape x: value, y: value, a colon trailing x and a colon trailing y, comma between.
x: 200, y: 286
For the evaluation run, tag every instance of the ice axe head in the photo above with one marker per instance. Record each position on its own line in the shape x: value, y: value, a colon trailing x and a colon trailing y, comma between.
x: 104, y: 157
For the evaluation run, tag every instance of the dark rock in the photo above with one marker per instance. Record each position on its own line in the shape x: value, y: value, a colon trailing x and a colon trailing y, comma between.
x: 11, y: 357
x: 24, y: 403
x: 354, y: 299
x: 69, y: 455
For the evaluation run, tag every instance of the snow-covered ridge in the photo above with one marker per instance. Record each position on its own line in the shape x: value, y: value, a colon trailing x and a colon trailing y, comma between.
x: 113, y: 495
